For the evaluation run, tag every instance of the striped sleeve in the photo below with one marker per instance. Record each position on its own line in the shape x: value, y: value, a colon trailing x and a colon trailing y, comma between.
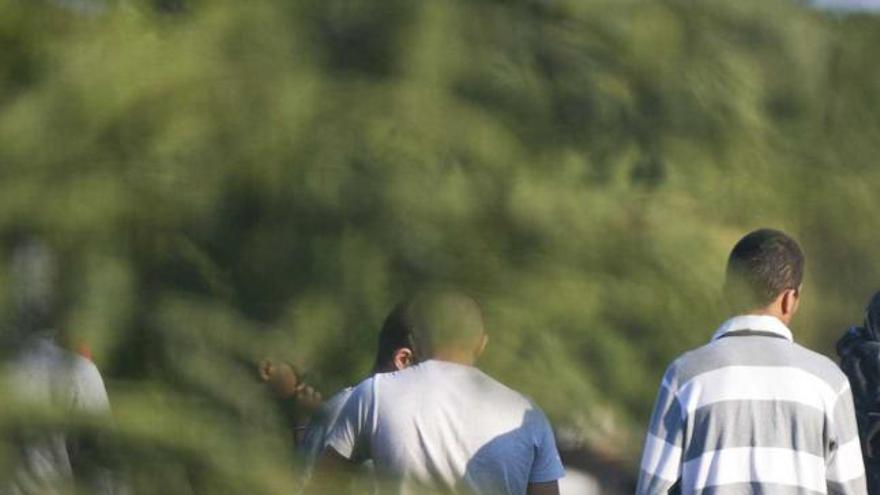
x: 662, y: 455
x: 845, y: 470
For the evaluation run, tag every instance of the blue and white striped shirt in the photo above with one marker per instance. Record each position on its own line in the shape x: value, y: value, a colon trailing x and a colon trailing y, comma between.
x: 753, y: 412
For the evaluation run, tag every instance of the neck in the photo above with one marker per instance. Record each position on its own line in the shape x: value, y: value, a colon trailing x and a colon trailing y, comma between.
x: 771, y: 311
x: 457, y: 356
x: 386, y: 368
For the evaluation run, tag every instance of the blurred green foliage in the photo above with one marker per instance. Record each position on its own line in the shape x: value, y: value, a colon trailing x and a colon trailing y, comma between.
x: 231, y: 180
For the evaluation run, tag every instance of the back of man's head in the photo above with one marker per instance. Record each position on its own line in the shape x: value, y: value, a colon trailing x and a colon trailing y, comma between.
x: 448, y: 325
x: 761, y: 266
x: 33, y: 270
x: 396, y: 335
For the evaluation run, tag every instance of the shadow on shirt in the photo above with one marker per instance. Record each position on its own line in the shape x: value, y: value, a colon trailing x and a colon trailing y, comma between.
x: 492, y: 470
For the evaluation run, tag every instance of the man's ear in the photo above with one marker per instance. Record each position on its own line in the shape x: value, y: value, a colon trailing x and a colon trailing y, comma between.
x: 481, y: 347
x: 403, y: 358
x: 790, y: 299
x: 264, y: 369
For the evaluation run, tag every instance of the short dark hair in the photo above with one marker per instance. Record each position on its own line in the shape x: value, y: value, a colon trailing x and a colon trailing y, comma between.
x: 34, y: 271
x: 396, y: 333
x: 762, y: 265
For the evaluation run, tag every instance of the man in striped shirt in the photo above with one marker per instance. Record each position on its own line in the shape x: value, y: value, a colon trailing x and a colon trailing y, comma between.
x: 751, y: 411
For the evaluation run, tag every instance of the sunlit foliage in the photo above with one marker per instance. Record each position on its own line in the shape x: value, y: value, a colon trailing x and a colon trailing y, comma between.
x: 231, y: 180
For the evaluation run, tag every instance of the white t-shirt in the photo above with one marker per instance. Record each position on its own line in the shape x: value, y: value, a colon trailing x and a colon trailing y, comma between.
x: 447, y: 426
x: 321, y: 425
x: 44, y: 375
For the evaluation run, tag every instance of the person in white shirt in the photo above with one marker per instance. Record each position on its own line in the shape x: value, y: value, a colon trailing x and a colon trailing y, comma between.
x: 443, y: 424
x: 43, y: 377
x: 395, y: 351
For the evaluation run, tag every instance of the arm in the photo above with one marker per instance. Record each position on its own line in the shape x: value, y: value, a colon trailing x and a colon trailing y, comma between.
x: 662, y: 455
x: 345, y: 445
x: 547, y: 465
x: 89, y: 393
x: 548, y: 488
x: 91, y: 465
x: 845, y: 469
x: 332, y: 474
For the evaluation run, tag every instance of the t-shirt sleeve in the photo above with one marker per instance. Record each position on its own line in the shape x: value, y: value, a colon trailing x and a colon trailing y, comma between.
x: 350, y: 434
x: 845, y: 471
x: 547, y: 465
x: 89, y: 394
x: 316, y: 434
x: 664, y: 442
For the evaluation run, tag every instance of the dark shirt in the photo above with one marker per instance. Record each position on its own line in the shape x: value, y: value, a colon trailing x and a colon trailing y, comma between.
x: 859, y: 353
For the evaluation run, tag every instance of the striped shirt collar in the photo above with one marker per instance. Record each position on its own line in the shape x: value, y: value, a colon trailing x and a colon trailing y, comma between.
x: 761, y: 323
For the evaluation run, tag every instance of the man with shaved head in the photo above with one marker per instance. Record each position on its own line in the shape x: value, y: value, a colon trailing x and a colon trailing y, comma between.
x: 443, y: 424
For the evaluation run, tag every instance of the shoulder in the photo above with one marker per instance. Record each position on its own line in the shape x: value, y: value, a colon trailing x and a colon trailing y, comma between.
x: 429, y: 373
x: 80, y: 378
x: 821, y: 367
x: 500, y: 393
x: 689, y: 365
x: 61, y: 363
x: 357, y: 389
x: 753, y: 352
x: 332, y: 406
x: 84, y: 370
x: 338, y: 398
x: 506, y: 401
x: 329, y: 412
x: 89, y: 391
x: 360, y: 393
x: 391, y: 382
